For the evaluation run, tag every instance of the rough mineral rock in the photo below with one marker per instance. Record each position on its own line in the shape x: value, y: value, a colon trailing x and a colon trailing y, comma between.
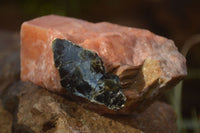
x: 5, y: 120
x: 147, y: 64
x: 41, y: 111
x: 82, y: 73
x: 36, y: 110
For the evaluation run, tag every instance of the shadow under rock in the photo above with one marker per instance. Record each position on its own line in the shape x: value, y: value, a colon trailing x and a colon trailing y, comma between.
x: 11, y: 103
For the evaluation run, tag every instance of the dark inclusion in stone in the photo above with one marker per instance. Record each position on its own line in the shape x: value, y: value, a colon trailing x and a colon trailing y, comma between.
x: 82, y: 73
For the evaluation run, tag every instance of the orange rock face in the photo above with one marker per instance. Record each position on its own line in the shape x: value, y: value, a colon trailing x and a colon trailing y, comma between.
x: 145, y: 62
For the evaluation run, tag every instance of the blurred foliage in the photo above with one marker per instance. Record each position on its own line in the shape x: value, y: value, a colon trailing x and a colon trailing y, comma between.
x: 35, y: 8
x: 175, y: 95
x: 193, y: 73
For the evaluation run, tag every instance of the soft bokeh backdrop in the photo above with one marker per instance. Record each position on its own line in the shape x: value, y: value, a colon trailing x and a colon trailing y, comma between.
x: 178, y: 20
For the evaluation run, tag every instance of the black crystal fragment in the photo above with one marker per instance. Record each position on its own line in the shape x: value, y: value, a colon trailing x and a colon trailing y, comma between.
x: 82, y: 73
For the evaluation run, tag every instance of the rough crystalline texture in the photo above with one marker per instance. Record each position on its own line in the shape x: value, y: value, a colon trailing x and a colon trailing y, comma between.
x: 147, y: 64
x: 82, y: 73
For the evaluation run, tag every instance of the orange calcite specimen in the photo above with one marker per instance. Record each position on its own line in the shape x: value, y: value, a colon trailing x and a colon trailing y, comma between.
x: 146, y: 63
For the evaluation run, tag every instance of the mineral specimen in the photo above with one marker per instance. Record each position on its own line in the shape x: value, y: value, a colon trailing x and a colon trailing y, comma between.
x: 146, y: 64
x: 82, y: 72
x: 26, y: 108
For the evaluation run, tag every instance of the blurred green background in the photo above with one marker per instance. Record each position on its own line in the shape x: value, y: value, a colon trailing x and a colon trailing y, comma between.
x: 178, y: 20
